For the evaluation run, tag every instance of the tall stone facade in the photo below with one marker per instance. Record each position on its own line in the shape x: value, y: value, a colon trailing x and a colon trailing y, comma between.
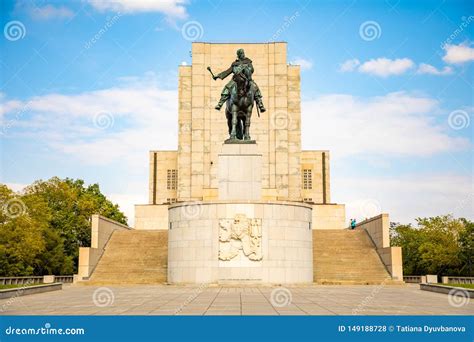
x: 191, y: 172
x: 241, y: 213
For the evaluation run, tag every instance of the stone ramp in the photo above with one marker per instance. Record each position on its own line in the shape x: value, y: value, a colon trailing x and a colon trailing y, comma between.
x: 133, y: 257
x: 346, y: 256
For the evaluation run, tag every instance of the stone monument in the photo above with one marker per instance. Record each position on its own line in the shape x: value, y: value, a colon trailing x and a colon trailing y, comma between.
x: 239, y: 201
x: 237, y: 237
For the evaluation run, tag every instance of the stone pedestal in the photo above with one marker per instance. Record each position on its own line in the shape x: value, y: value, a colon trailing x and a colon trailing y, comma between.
x: 198, y: 251
x: 240, y: 172
x: 240, y: 238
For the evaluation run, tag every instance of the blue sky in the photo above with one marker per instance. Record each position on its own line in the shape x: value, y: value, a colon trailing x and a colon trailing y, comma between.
x: 387, y: 86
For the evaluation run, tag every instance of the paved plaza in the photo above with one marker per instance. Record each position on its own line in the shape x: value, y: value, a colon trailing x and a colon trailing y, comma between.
x: 222, y: 300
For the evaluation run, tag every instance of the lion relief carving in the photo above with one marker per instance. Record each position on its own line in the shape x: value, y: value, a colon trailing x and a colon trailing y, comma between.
x: 240, y: 233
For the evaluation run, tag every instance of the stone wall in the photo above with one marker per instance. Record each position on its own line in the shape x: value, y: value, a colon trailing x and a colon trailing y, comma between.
x: 329, y: 216
x: 240, y: 172
x: 101, y: 230
x: 151, y: 217
x: 162, y: 165
x: 286, y: 242
x: 202, y: 129
x: 320, y: 187
x: 392, y: 259
x: 378, y: 228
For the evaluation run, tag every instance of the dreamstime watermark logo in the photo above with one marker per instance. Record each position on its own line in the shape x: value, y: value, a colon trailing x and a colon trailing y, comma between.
x: 14, y: 30
x: 47, y: 329
x: 367, y: 300
x: 16, y: 297
x: 192, y: 297
x: 192, y: 210
x: 18, y: 115
x: 280, y: 120
x: 192, y: 30
x: 465, y: 22
x: 459, y: 119
x: 281, y: 297
x: 103, y: 296
x: 14, y: 208
x: 287, y: 22
x: 370, y: 30
x: 108, y: 24
x: 458, y: 297
x: 370, y: 207
x: 103, y: 120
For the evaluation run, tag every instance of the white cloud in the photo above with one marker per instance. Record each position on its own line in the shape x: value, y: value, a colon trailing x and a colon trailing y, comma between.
x: 382, y: 67
x: 405, y: 197
x: 50, y: 12
x: 171, y: 8
x: 349, y: 65
x: 386, y: 67
x: 144, y: 118
x: 394, y: 125
x: 457, y: 54
x: 431, y: 70
x: 140, y: 112
x: 303, y: 63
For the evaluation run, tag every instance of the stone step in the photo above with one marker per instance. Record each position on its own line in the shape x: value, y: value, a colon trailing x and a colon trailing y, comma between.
x: 133, y: 257
x: 341, y: 274
x: 354, y: 282
x: 346, y: 256
x: 346, y: 253
x: 372, y: 268
x: 342, y: 266
x: 339, y: 258
x: 361, y: 279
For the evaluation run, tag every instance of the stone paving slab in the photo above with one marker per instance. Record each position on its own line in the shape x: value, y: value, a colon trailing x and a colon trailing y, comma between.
x: 245, y: 300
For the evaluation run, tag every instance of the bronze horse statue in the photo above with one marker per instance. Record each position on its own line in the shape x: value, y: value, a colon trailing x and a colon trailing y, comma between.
x: 239, y: 108
x: 239, y: 95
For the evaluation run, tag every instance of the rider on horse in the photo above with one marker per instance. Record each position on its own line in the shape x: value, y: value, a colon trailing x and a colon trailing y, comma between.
x: 243, y: 67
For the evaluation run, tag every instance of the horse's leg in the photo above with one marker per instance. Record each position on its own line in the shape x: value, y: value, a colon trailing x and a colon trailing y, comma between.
x: 228, y: 115
x: 240, y: 131
x: 233, y: 132
x: 248, y: 114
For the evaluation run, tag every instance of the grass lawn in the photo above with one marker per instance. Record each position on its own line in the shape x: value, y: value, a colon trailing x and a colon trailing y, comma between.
x: 13, y: 286
x: 467, y: 286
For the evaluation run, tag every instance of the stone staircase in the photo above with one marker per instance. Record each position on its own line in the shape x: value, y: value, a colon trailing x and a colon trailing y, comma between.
x: 345, y: 256
x: 133, y: 257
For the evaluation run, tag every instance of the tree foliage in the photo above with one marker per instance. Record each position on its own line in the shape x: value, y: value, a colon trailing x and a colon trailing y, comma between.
x: 438, y: 245
x: 42, y: 228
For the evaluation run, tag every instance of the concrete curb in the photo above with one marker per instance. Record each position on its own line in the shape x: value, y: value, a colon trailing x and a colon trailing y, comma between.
x: 28, y: 290
x: 447, y: 290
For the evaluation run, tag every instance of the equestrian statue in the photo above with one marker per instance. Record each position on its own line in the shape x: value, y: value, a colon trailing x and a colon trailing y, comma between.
x: 239, y: 95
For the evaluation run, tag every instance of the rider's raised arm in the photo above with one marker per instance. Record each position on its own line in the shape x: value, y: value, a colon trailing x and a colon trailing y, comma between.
x: 225, y: 73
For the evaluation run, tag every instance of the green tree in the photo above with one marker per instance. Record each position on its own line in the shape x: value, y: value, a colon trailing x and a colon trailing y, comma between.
x: 466, y: 248
x: 54, y: 221
x: 438, y: 245
x: 72, y: 204
x: 440, y: 248
x: 22, y: 222
x: 410, y: 239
